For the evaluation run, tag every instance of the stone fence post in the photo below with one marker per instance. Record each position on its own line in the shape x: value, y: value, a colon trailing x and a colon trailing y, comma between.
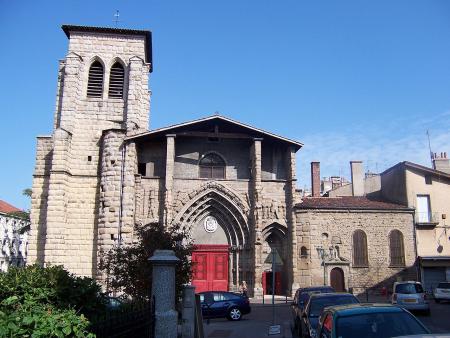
x: 163, y: 289
x: 188, y: 312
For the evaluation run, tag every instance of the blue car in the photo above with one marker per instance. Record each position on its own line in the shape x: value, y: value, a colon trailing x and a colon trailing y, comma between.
x: 368, y: 321
x: 223, y: 304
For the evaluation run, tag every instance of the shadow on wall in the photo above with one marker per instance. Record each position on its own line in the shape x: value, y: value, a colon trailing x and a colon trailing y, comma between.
x: 384, y: 287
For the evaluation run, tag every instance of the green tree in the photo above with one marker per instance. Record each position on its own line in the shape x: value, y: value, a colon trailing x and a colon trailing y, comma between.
x: 127, y: 267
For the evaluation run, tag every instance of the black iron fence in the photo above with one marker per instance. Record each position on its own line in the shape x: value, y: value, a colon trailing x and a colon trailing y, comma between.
x: 131, y: 320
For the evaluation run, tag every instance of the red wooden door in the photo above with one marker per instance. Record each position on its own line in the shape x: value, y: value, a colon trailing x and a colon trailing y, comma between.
x: 264, y: 282
x: 278, y: 290
x: 210, y: 268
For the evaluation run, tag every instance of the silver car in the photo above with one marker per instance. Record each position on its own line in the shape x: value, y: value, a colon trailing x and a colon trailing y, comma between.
x: 442, y: 292
x: 411, y: 296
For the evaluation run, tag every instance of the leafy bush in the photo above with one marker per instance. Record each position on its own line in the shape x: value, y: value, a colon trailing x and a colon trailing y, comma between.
x: 52, y: 285
x: 127, y: 267
x: 33, y: 319
x: 47, y: 302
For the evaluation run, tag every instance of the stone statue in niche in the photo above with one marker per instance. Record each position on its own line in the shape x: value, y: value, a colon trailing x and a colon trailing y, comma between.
x: 152, y: 205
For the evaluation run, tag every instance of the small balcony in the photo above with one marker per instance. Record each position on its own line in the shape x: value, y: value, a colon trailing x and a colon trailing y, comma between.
x: 427, y: 218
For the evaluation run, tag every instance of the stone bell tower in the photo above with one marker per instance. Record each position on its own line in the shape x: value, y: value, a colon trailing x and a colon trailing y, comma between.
x: 79, y: 179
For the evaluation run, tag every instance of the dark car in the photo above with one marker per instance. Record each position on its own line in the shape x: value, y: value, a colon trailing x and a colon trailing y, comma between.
x: 219, y: 304
x: 316, y: 304
x: 301, y: 297
x: 369, y: 321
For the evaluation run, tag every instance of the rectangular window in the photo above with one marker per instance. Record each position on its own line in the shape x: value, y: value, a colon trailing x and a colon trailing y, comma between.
x: 428, y: 180
x: 423, y: 208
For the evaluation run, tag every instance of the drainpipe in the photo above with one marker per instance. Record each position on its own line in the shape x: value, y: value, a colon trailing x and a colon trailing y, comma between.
x: 122, y: 178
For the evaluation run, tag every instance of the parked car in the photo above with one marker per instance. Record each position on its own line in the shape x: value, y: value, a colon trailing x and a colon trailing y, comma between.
x: 410, y: 295
x: 113, y: 303
x: 301, y: 297
x: 317, y: 302
x: 223, y: 304
x: 368, y: 321
x: 442, y: 292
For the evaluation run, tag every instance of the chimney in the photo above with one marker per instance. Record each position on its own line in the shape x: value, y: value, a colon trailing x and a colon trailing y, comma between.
x: 357, y: 178
x: 315, y: 179
x: 441, y: 163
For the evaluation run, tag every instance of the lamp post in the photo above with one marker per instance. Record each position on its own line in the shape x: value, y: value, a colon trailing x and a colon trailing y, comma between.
x: 323, y: 255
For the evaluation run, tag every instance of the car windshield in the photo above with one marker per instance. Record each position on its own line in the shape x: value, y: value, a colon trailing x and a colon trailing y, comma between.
x: 378, y: 325
x: 318, y: 304
x: 304, y: 296
x: 444, y: 286
x: 408, y: 288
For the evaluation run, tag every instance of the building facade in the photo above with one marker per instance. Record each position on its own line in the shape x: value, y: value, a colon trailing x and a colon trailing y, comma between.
x: 102, y: 171
x: 427, y: 191
x: 13, y: 236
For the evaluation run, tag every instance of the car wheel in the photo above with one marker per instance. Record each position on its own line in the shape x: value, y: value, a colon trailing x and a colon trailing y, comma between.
x: 234, y: 314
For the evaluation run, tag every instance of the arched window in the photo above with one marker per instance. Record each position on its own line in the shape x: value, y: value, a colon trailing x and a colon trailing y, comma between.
x: 95, y: 80
x: 116, y: 81
x: 396, y: 248
x: 303, y: 252
x: 212, y: 166
x: 360, y: 257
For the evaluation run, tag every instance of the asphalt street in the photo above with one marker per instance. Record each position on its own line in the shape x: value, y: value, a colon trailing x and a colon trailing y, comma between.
x: 256, y: 324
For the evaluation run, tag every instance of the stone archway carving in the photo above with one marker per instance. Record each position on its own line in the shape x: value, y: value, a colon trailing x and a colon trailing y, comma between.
x: 213, y: 198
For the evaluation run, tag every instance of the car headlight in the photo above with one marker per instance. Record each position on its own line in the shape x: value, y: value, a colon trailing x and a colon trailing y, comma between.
x: 312, y: 333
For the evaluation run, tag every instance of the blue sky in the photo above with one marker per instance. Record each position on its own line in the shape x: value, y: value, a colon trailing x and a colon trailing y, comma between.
x: 352, y: 80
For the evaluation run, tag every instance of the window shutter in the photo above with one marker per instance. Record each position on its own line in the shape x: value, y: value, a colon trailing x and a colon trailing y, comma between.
x: 397, y: 250
x: 116, y: 81
x: 212, y: 166
x: 95, y: 80
x: 360, y: 256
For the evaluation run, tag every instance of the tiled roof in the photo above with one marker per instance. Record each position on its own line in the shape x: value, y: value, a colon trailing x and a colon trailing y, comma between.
x: 348, y: 202
x: 7, y: 208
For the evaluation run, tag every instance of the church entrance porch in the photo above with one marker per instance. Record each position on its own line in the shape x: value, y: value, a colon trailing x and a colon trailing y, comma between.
x: 210, y: 268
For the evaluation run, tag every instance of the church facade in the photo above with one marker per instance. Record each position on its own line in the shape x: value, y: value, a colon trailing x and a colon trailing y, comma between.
x: 102, y: 171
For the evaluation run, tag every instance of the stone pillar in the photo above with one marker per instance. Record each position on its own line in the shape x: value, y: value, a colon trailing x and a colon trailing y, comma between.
x: 188, y: 315
x: 256, y: 215
x: 57, y: 198
x: 170, y: 162
x: 137, y: 114
x: 294, y: 275
x: 163, y: 291
x: 68, y: 103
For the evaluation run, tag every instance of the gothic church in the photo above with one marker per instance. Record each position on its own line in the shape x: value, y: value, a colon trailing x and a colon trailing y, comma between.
x: 102, y: 171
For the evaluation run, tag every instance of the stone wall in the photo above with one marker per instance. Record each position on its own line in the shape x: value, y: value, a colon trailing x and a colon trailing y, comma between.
x: 331, y: 228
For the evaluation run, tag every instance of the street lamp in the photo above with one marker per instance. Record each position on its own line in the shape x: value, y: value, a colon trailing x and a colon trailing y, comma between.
x: 323, y: 255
